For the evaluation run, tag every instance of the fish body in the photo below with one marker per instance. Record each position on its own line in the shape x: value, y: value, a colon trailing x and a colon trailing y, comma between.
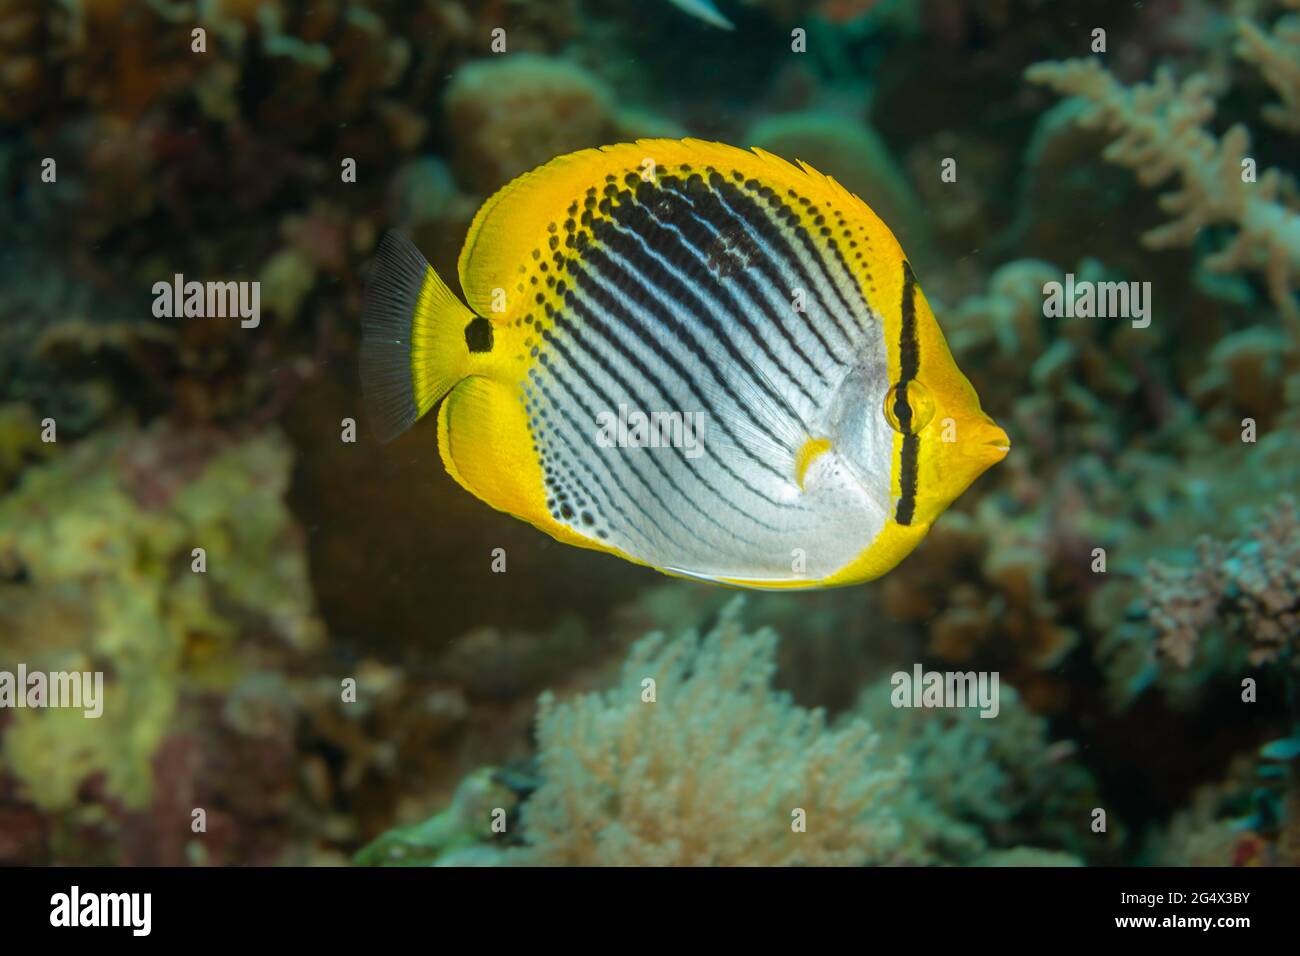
x: 698, y: 358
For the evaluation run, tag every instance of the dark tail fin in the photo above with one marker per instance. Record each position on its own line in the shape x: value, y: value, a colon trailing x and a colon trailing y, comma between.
x: 413, y: 349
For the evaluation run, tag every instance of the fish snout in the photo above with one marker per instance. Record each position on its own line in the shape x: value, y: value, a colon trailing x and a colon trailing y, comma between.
x: 977, y: 439
x: 990, y: 442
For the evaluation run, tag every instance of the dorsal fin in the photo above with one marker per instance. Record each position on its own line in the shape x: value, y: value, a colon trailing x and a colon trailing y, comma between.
x: 504, y: 233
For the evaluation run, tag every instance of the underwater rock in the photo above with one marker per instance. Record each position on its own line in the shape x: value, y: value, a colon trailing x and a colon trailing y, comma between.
x: 509, y: 115
x: 461, y: 835
x: 633, y: 123
x: 97, y: 546
x: 425, y: 203
x: 423, y: 192
x: 20, y: 442
x: 489, y: 663
x: 287, y: 279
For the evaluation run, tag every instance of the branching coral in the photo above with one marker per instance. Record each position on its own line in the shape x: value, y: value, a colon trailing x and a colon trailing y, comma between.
x: 1276, y: 55
x: 1161, y: 134
x: 1173, y: 503
x: 713, y: 771
x: 977, y: 783
x: 1048, y: 374
x: 1111, y: 453
x: 1250, y: 585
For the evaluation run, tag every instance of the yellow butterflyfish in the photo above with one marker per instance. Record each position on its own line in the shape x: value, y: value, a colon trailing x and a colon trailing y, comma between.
x: 695, y: 357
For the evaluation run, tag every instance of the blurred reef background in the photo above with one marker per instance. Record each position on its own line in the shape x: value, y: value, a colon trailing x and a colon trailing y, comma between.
x: 326, y: 560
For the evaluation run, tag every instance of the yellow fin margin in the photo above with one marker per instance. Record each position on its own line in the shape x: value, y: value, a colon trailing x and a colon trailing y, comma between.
x: 485, y: 444
x: 504, y: 233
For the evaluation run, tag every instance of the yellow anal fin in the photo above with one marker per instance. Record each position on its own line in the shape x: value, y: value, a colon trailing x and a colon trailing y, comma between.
x: 486, y: 446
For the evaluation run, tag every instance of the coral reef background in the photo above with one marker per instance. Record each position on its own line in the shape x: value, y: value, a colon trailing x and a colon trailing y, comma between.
x: 1131, y: 571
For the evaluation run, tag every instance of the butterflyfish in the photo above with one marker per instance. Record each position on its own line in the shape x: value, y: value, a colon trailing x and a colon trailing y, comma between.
x: 695, y: 357
x: 706, y: 11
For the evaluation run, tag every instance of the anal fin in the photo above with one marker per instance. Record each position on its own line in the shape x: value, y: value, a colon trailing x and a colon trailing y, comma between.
x: 486, y: 446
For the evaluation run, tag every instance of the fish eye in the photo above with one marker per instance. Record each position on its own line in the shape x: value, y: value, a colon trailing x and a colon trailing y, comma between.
x: 909, y: 406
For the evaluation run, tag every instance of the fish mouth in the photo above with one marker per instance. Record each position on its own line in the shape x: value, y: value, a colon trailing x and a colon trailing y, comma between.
x: 995, y: 441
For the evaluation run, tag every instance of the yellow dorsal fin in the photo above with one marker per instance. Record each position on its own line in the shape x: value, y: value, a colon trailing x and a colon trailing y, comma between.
x: 519, y: 217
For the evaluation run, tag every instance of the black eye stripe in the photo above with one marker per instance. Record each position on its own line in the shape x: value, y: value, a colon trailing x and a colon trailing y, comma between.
x: 902, y: 408
x: 909, y: 360
x: 909, y: 354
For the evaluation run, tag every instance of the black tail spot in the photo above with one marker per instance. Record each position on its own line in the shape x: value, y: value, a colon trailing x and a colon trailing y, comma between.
x: 478, y: 335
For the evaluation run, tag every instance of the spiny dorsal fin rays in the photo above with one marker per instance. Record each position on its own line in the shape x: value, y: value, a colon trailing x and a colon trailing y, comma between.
x: 801, y: 168
x: 517, y: 217
x: 834, y: 186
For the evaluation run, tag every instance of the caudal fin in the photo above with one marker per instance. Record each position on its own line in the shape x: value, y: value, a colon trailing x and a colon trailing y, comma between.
x: 413, y: 347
